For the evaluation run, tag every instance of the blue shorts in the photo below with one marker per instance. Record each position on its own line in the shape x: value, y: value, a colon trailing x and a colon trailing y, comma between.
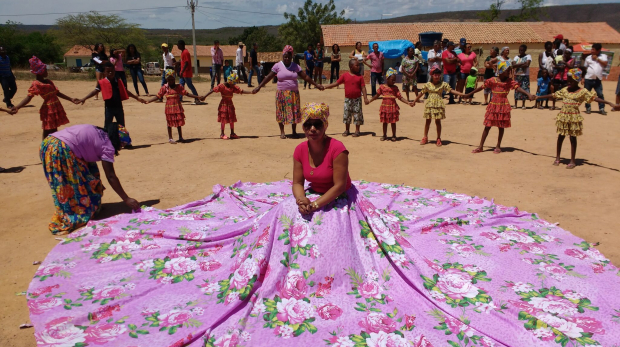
x: 319, y: 64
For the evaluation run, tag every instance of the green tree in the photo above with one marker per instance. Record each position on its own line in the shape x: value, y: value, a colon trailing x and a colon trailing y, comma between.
x: 492, y: 13
x: 86, y: 29
x: 305, y: 27
x: 21, y: 46
x: 530, y: 9
x: 266, y: 42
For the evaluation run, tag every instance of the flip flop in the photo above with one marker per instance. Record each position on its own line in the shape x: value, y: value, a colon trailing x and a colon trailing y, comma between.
x: 556, y: 163
x: 234, y: 136
x: 570, y: 166
x: 424, y: 141
x: 383, y: 138
x: 346, y: 133
x: 497, y: 151
x: 172, y: 142
x: 393, y: 138
x: 223, y: 137
x: 356, y: 135
x: 477, y: 150
x: 283, y: 137
x: 438, y: 142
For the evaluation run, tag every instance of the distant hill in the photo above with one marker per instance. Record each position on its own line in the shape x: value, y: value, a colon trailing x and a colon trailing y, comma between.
x: 568, y: 13
x: 609, y: 13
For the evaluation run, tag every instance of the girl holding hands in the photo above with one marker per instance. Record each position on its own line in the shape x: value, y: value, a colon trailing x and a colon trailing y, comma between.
x: 389, y: 110
x: 226, y: 109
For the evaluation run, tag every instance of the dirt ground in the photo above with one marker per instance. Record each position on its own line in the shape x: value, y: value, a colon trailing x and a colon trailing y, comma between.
x: 163, y: 175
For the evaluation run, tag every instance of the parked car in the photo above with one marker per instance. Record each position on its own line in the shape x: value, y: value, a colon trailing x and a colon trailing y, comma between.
x: 152, y: 68
x: 51, y: 67
x: 87, y: 67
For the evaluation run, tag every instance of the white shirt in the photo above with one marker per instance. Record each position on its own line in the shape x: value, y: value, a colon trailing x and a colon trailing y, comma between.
x: 595, y: 70
x: 168, y: 59
x: 431, y: 55
x: 239, y: 60
x: 523, y: 71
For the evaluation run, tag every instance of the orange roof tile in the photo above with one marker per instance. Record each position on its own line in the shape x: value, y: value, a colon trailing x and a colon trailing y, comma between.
x: 474, y: 32
x: 78, y: 51
x: 600, y: 32
x: 205, y: 51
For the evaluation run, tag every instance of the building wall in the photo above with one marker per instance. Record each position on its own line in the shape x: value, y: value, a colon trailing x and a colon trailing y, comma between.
x: 205, y: 63
x: 71, y: 60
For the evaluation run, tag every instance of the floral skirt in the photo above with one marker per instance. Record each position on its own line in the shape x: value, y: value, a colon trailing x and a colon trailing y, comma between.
x: 524, y: 83
x: 226, y: 112
x: 382, y: 265
x: 75, y: 184
x: 53, y: 115
x: 288, y: 108
x: 175, y: 120
x: 434, y: 113
x: 498, y: 113
x: 569, y: 122
x: 389, y: 111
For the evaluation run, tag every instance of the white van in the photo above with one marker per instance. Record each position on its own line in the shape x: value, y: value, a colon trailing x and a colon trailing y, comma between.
x: 152, y: 69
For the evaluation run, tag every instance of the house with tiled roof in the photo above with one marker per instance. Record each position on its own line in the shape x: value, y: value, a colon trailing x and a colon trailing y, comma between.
x: 203, y: 55
x: 77, y: 56
x: 481, y: 35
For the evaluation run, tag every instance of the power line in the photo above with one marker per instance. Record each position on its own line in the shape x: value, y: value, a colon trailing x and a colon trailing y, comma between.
x: 209, y: 17
x: 253, y: 12
x: 74, y: 12
x: 219, y: 15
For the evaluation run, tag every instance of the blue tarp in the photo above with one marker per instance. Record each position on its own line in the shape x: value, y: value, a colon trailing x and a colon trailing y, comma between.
x: 392, y: 49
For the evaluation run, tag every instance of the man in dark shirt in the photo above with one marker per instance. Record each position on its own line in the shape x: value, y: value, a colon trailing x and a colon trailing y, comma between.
x: 113, y: 102
x: 254, y: 65
x: 7, y: 79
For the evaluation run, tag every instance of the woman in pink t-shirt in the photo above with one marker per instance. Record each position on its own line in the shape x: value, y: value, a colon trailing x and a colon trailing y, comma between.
x: 116, y: 58
x: 469, y: 59
x: 69, y: 160
x: 288, y: 110
x: 322, y: 161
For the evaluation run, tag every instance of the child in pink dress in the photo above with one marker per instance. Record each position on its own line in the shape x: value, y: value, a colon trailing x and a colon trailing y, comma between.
x: 226, y: 110
x: 175, y: 115
x: 389, y: 111
x: 52, y: 113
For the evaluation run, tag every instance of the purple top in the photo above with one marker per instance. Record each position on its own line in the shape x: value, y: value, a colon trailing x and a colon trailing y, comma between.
x: 287, y: 76
x: 87, y: 142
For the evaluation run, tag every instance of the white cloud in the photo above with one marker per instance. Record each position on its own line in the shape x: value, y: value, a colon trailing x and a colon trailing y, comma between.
x: 281, y: 8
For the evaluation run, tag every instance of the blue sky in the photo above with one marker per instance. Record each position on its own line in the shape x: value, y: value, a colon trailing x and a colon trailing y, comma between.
x: 217, y: 14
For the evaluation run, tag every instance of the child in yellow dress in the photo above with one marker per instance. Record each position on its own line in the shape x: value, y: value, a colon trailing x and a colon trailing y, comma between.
x: 569, y: 121
x: 435, y: 108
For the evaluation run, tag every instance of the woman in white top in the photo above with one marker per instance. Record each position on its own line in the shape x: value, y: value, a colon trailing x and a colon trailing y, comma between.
x: 359, y: 54
x: 169, y: 62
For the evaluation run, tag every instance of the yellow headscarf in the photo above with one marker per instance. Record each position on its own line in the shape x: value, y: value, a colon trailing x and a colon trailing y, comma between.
x: 390, y: 72
x: 314, y: 110
x: 169, y: 72
x: 233, y: 78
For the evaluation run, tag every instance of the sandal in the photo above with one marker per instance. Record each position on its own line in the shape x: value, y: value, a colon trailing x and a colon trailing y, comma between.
x: 393, y: 138
x: 234, y: 136
x: 346, y: 133
x: 497, y: 151
x: 570, y: 166
x: 356, y: 135
x: 223, y: 137
x: 438, y: 142
x: 172, y: 142
x: 556, y: 163
x: 283, y: 137
x: 477, y: 150
x: 424, y: 141
x: 383, y: 138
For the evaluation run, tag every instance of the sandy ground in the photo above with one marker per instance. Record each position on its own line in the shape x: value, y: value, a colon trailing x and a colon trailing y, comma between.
x: 157, y: 173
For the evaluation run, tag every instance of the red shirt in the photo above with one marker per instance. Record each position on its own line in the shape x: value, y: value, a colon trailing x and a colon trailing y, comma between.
x: 353, y: 85
x: 186, y: 59
x: 447, y: 67
x: 322, y: 177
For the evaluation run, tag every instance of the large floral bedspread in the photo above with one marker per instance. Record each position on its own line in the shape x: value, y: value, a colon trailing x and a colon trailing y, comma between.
x: 382, y: 266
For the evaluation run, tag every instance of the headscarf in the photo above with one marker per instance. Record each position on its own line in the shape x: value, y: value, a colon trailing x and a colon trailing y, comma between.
x: 575, y: 74
x: 288, y: 49
x: 36, y: 65
x: 169, y: 72
x: 435, y: 67
x: 233, y: 78
x: 314, y: 110
x: 119, y: 136
x: 502, y: 66
x: 390, y: 72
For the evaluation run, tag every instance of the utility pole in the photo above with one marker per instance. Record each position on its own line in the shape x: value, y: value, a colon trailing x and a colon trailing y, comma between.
x: 192, y: 6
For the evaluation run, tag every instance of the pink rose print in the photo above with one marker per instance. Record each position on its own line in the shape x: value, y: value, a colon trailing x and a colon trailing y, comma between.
x: 463, y: 250
x: 554, y: 304
x: 524, y: 306
x: 299, y: 235
x: 486, y: 342
x: 179, y: 266
x: 285, y: 331
x: 329, y: 311
x: 264, y: 238
x: 175, y: 317
x: 433, y: 265
x: 195, y: 236
x: 102, y: 231
x: 60, y: 335
x: 376, y: 322
x: 149, y: 246
x: 104, y: 312
x: 324, y: 288
x: 504, y: 247
x: 293, y: 285
x: 49, y: 270
x: 133, y: 235
x: 108, y: 292
x: 598, y: 268
x: 516, y: 236
x: 490, y: 236
x: 427, y: 229
x: 556, y: 271
x: 183, y: 252
x: 457, y: 284
x: 294, y: 311
x: 409, y: 321
x: 43, y: 290
x: 41, y: 305
x: 244, y: 273
x: 382, y: 339
x: 121, y: 247
x: 228, y: 340
x: 210, y: 265
x: 575, y: 253
x: 370, y: 289
x: 532, y: 248
x: 452, y: 230
x: 103, y: 333
x: 588, y: 324
x: 544, y: 334
x: 454, y: 325
x: 569, y: 329
x: 421, y: 341
x: 314, y: 252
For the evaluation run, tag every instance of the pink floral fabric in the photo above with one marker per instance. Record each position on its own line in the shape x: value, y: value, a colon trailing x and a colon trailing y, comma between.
x: 383, y: 265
